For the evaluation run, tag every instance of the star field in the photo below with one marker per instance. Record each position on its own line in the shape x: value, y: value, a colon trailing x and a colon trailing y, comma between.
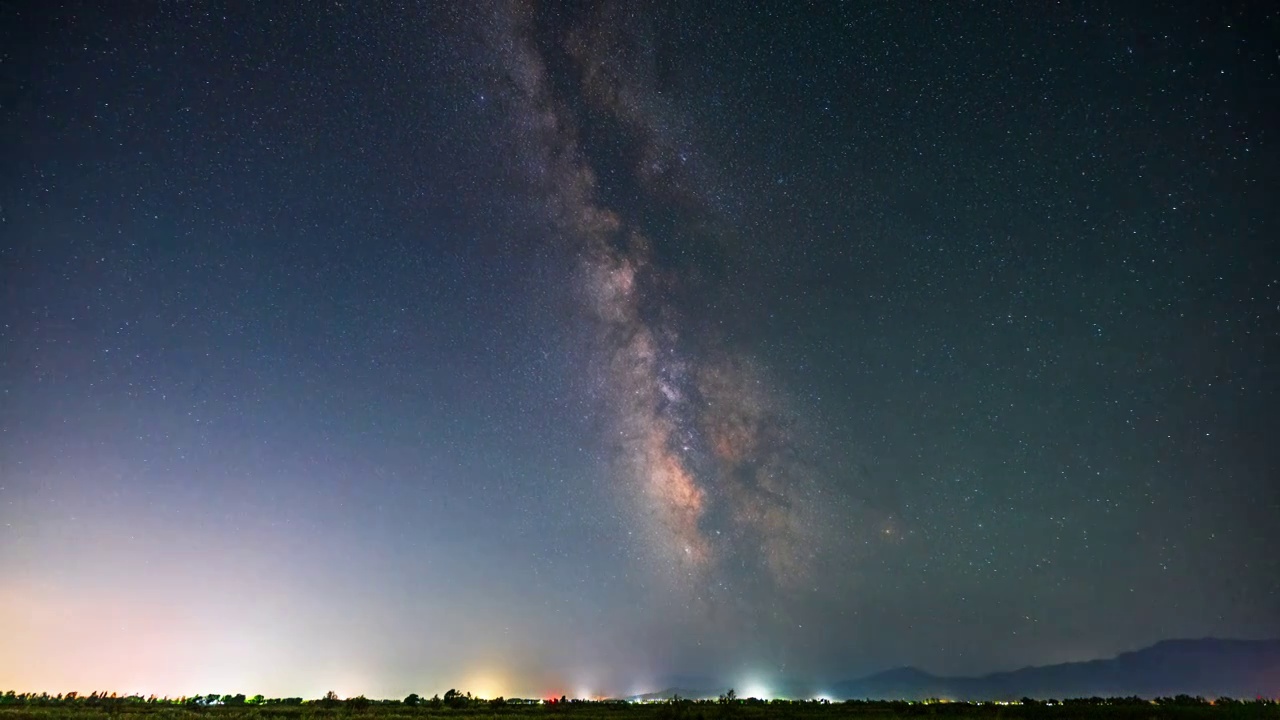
x: 532, y: 347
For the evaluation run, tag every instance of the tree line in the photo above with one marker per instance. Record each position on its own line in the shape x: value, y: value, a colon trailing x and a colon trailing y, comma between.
x: 728, y: 705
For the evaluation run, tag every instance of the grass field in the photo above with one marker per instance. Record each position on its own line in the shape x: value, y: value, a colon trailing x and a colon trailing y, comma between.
x: 361, y: 709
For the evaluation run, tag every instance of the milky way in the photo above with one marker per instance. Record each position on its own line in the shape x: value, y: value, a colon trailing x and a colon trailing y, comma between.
x: 705, y: 453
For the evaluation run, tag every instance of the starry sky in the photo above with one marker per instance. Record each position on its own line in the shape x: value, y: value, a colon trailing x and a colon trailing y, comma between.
x: 534, y: 348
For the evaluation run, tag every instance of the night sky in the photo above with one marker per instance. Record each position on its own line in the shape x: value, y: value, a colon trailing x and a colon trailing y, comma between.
x: 528, y: 349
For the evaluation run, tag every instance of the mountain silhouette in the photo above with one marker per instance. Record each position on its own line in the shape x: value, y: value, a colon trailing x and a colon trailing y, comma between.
x: 1206, y: 667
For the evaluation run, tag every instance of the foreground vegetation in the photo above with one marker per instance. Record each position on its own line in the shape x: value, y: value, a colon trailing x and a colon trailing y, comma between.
x: 15, y: 706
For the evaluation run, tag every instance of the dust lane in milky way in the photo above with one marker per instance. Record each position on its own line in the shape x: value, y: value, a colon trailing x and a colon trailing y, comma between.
x: 693, y: 433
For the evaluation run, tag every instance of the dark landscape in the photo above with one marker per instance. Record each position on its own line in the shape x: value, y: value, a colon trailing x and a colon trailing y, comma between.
x: 1177, y: 678
x: 239, y: 709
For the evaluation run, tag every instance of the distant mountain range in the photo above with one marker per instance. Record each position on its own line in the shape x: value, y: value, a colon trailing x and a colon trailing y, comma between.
x: 1207, y: 667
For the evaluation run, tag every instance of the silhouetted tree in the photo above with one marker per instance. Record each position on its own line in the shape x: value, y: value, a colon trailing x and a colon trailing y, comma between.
x: 412, y: 699
x: 455, y: 699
